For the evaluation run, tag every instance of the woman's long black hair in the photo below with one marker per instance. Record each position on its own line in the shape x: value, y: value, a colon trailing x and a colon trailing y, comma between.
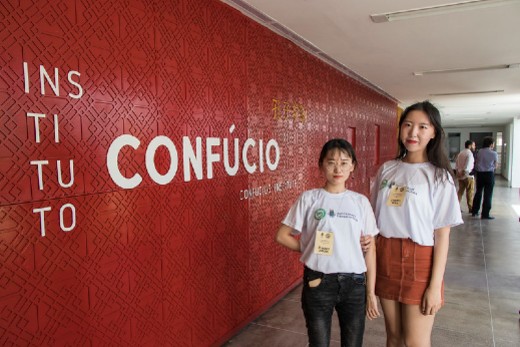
x: 435, y: 149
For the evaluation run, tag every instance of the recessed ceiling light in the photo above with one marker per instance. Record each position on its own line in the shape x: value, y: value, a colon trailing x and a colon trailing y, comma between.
x: 469, y: 93
x: 468, y: 69
x: 437, y: 10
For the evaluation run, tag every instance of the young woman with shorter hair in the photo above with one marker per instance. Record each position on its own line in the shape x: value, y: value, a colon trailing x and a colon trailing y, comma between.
x: 330, y: 221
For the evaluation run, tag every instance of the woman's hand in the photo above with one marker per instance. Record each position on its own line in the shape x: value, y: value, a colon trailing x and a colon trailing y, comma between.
x: 372, y: 308
x: 366, y: 241
x: 431, y: 302
x: 432, y: 298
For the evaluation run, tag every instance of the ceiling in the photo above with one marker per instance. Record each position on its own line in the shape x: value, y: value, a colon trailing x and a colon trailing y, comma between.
x: 386, y: 55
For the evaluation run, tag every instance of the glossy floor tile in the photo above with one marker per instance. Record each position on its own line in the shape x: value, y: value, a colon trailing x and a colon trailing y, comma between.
x: 482, y: 290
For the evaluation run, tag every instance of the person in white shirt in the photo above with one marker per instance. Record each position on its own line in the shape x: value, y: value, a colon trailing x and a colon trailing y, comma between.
x: 337, y: 275
x: 464, y: 166
x: 415, y: 203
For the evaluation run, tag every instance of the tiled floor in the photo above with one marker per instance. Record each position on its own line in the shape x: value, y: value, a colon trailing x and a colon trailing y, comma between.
x: 482, y: 290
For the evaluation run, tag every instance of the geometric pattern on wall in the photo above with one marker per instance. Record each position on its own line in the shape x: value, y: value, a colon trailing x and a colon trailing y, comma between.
x: 188, y: 262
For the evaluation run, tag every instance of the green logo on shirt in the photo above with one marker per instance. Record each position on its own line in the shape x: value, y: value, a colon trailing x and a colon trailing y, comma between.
x: 320, y: 214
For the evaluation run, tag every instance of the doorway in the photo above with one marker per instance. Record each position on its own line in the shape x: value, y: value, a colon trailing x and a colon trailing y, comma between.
x: 453, y: 146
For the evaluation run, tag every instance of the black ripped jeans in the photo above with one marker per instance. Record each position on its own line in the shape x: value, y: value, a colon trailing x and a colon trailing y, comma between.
x: 345, y: 292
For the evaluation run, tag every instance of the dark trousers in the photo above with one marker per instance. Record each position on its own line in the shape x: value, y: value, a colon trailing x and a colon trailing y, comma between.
x: 343, y: 292
x: 485, y: 183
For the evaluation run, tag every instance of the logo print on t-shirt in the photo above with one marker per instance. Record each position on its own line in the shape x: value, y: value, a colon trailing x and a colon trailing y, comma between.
x: 319, y: 214
x: 331, y: 213
x: 386, y: 183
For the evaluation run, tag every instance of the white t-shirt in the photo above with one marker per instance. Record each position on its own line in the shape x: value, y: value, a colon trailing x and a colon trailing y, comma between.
x: 346, y: 214
x: 427, y: 205
x: 464, y: 164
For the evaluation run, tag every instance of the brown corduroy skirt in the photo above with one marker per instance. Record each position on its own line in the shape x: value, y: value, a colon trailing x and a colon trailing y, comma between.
x: 403, y: 270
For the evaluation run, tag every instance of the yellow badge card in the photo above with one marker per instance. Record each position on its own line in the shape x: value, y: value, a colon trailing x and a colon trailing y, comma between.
x: 324, y: 242
x: 396, y: 197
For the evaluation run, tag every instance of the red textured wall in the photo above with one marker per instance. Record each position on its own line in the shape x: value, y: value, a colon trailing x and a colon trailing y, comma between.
x: 182, y: 263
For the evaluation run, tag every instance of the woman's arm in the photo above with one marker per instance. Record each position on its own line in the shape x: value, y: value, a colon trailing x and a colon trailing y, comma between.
x: 432, y: 300
x: 370, y: 260
x: 285, y: 238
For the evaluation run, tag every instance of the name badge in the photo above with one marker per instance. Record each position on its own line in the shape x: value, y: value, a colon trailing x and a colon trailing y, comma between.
x: 324, y: 242
x: 396, y: 197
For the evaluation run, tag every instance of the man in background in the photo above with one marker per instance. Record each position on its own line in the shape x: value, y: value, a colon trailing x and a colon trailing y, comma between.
x: 464, y: 167
x: 485, y: 164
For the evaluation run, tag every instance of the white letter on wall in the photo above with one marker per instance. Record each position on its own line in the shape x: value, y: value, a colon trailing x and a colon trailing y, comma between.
x: 189, y: 157
x: 210, y: 156
x: 249, y: 168
x: 112, y: 161
x: 150, y: 160
x: 73, y: 217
